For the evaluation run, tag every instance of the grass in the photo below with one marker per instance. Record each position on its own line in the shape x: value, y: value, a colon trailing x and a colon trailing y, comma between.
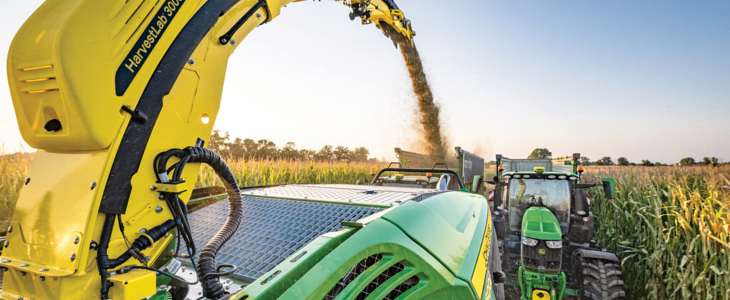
x: 670, y: 226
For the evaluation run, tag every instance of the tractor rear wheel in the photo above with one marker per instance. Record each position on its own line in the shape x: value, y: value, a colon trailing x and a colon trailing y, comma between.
x: 600, y: 279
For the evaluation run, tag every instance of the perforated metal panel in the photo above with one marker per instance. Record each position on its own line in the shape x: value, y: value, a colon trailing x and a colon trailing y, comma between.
x: 271, y: 230
x: 356, y: 194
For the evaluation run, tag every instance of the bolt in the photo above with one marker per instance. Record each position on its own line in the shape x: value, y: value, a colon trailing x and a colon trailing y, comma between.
x: 6, y: 244
x: 258, y: 15
x: 27, y: 180
x: 93, y: 185
x: 43, y: 270
x: 153, y: 188
x: 161, y: 197
x: 10, y: 229
x: 112, y: 274
x: 24, y: 265
x: 223, y: 41
x: 158, y: 209
x: 233, y: 42
x: 5, y: 261
x: 167, y: 234
x: 143, y: 230
x: 73, y: 256
x: 191, y: 61
x: 93, y: 244
x: 76, y: 240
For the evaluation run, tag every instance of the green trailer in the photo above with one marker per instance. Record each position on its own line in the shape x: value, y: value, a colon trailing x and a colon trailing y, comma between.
x: 468, y: 166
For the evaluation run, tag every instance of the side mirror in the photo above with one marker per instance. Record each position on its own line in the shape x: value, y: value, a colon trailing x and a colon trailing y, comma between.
x: 609, y: 187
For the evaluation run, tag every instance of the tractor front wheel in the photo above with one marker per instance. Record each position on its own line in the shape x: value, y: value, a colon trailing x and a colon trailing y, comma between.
x: 600, y: 279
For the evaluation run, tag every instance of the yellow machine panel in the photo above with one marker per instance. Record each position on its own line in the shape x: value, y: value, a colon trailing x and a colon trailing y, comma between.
x: 101, y: 88
x: 137, y: 284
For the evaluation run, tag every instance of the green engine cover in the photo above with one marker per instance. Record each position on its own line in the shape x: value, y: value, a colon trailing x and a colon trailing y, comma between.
x: 540, y: 223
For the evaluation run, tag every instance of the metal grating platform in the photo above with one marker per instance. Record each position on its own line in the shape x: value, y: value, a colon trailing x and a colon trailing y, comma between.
x: 382, y: 196
x: 271, y: 230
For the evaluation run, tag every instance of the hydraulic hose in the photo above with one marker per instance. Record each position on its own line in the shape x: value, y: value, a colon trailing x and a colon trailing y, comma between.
x: 212, y: 288
x: 206, y: 269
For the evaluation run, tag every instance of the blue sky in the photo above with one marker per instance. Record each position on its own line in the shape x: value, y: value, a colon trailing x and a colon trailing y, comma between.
x: 644, y: 80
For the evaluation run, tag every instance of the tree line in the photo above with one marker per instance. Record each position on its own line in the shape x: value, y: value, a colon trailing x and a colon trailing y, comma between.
x: 248, y: 149
x: 543, y: 153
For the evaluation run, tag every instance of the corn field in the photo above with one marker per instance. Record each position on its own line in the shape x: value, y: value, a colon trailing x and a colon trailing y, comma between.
x: 670, y: 228
x: 13, y: 168
x: 269, y: 172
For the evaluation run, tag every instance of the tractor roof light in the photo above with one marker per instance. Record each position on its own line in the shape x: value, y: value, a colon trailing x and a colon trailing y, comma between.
x: 573, y: 178
x: 539, y: 170
x: 517, y: 176
x: 500, y: 168
x: 507, y: 177
x: 429, y: 175
x: 372, y: 172
x: 581, y: 169
x: 552, y: 176
x: 562, y: 177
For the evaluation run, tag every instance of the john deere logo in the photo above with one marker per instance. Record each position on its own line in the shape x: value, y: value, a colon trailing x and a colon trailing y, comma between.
x: 541, y: 251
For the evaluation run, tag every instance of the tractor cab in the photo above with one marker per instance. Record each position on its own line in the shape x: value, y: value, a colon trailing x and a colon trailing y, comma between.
x: 548, y: 190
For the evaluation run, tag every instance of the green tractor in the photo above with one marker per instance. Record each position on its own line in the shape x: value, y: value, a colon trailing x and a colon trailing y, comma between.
x: 545, y: 229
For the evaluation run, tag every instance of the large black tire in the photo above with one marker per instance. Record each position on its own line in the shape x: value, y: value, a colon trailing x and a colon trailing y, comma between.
x: 600, y: 279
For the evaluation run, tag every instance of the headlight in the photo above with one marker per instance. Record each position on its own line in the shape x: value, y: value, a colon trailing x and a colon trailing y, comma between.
x: 528, y: 241
x: 555, y: 244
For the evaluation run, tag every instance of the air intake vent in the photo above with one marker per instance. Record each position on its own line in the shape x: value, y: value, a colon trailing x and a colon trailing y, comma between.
x: 383, y: 277
x: 356, y: 270
x: 38, y: 79
x: 402, y: 288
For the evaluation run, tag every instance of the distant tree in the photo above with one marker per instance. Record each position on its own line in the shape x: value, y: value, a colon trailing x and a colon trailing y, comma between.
x: 605, y: 161
x: 585, y: 161
x: 706, y: 161
x: 646, y: 162
x: 289, y: 151
x: 266, y: 150
x: 360, y: 154
x: 714, y: 161
x: 326, y: 153
x: 218, y: 143
x: 237, y: 149
x: 307, y: 154
x: 540, y: 153
x: 687, y: 161
x: 623, y: 161
x: 342, y: 153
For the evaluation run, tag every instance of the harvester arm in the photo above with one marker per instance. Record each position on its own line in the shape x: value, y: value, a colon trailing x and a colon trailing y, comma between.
x: 102, y: 89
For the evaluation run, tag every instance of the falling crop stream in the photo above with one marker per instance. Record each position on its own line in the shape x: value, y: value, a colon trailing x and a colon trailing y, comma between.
x: 428, y: 110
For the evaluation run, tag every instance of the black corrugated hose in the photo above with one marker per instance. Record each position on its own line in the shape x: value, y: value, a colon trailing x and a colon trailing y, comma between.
x: 207, y: 272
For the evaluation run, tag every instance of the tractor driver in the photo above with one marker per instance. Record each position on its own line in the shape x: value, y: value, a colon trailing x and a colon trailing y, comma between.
x: 538, y: 192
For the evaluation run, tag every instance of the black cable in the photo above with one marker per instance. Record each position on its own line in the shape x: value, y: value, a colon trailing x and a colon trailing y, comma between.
x: 161, y: 272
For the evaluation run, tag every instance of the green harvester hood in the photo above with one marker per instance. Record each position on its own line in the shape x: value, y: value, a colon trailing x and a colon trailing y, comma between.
x: 540, y: 223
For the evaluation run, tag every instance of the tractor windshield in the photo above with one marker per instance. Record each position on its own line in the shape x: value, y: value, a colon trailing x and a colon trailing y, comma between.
x: 551, y: 193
